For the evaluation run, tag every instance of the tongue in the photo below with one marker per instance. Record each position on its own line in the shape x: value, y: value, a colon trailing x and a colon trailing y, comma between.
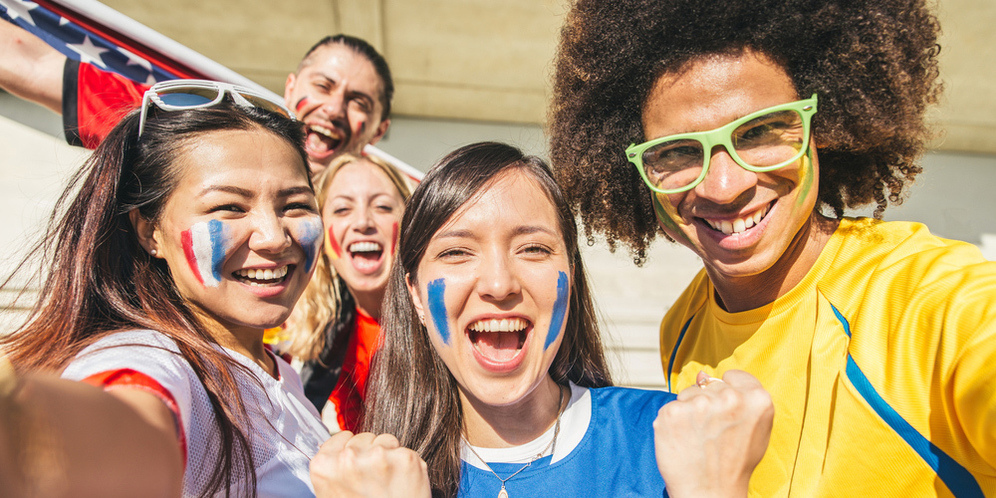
x: 498, y: 346
x: 366, y: 261
x: 319, y: 145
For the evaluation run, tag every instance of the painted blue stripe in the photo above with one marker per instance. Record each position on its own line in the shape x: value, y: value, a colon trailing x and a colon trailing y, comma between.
x: 216, y: 231
x: 559, y: 310
x: 957, y: 478
x: 437, y: 308
x: 674, y: 352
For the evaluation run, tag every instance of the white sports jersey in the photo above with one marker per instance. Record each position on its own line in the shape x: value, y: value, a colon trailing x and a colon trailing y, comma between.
x: 286, y: 430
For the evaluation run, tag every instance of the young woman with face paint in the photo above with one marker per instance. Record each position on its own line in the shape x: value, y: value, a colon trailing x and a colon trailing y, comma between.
x: 335, y: 327
x: 492, y: 368
x: 185, y: 235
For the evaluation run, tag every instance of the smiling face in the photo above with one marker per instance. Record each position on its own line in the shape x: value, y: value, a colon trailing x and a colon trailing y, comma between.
x: 740, y: 223
x: 241, y: 231
x: 337, y: 95
x: 361, y: 213
x: 494, y: 288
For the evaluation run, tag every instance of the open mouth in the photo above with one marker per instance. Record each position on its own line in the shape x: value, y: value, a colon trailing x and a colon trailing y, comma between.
x: 261, y: 277
x: 323, y: 141
x: 498, y: 340
x: 366, y: 256
x: 739, y: 225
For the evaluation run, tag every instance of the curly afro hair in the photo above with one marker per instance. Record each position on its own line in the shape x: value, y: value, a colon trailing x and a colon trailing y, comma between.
x: 873, y: 64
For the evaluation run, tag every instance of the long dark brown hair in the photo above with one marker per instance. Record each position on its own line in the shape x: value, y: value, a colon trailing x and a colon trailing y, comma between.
x: 411, y: 393
x: 100, y: 280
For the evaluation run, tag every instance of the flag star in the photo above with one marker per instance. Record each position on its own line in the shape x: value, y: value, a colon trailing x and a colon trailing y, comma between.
x: 135, y: 60
x: 151, y: 80
x: 19, y: 8
x: 89, y: 53
x: 63, y: 21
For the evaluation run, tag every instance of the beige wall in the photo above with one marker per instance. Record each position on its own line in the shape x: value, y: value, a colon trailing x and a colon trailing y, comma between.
x: 491, y: 61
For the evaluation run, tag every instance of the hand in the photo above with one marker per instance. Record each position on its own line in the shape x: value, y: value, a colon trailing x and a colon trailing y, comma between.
x: 711, y: 438
x: 367, y: 466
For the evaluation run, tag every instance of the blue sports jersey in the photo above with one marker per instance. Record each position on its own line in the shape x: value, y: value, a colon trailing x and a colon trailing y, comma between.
x: 615, y: 458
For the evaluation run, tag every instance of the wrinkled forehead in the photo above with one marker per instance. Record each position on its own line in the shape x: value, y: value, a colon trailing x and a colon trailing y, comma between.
x: 341, y: 61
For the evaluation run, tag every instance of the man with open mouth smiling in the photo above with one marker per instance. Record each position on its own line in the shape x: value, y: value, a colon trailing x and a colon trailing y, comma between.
x: 341, y: 91
x: 743, y: 130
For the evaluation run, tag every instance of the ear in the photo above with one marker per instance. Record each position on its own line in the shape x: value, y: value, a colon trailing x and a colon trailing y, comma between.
x: 289, y: 89
x: 145, y: 231
x: 381, y: 130
x: 416, y: 299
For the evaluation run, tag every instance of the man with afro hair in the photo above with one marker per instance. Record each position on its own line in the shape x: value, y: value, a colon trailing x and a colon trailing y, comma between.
x: 743, y: 130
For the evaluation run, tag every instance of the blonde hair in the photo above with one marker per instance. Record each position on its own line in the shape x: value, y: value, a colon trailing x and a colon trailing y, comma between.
x: 320, y: 303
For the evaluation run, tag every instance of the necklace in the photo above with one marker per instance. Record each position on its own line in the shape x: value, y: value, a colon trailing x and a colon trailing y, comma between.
x: 552, y: 447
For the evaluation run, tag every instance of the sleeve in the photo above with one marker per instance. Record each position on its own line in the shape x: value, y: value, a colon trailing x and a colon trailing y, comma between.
x: 93, y: 101
x: 140, y: 360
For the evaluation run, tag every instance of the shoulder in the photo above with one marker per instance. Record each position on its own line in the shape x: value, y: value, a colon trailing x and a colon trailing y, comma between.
x: 147, y: 351
x: 628, y: 403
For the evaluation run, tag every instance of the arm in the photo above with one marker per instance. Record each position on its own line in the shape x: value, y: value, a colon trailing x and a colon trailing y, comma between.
x: 66, y: 438
x: 712, y: 437
x: 367, y: 466
x: 29, y: 68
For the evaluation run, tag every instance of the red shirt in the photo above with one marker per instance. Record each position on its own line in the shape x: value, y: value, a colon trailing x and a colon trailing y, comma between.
x: 348, y: 394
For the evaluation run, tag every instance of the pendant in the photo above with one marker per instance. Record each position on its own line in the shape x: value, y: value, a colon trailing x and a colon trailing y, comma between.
x: 503, y: 493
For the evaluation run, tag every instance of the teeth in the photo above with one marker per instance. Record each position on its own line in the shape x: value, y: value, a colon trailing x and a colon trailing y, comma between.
x: 496, y: 325
x: 365, y: 247
x: 740, y: 224
x: 331, y: 133
x: 267, y: 274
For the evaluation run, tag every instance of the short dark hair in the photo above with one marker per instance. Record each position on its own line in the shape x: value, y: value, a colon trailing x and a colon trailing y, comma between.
x: 873, y: 64
x: 360, y: 46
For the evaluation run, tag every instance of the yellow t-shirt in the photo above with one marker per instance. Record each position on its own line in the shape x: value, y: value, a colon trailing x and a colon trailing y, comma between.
x: 881, y: 364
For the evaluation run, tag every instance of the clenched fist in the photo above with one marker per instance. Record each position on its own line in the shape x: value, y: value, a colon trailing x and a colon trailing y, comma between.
x: 709, y: 440
x: 367, y: 466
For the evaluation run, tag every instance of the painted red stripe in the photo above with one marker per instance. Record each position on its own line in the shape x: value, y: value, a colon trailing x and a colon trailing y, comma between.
x: 335, y: 245
x: 187, y: 241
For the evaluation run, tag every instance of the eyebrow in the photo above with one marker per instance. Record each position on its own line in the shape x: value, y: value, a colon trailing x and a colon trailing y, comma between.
x: 519, y: 230
x: 351, y: 92
x: 248, y: 194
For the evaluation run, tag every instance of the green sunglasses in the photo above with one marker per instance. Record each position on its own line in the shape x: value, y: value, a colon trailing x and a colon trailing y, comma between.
x: 763, y: 141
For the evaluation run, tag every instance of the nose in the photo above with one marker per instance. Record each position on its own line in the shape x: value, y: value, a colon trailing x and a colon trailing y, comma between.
x: 269, y: 235
x: 496, y: 279
x: 364, y: 221
x: 334, y: 104
x: 726, y: 180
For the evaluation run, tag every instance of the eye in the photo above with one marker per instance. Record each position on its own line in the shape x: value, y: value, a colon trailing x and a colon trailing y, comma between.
x: 301, y: 206
x: 454, y: 255
x: 232, y: 208
x: 385, y: 208
x: 537, y: 250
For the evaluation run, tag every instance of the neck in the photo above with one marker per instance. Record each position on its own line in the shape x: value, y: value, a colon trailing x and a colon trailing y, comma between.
x: 513, y: 425
x: 746, y: 293
x: 247, y: 341
x: 369, y: 301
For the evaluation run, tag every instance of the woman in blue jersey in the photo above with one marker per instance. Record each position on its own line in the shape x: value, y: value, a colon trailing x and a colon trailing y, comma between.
x: 492, y: 367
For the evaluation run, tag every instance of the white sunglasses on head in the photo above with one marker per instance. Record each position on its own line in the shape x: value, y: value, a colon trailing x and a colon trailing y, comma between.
x: 179, y: 95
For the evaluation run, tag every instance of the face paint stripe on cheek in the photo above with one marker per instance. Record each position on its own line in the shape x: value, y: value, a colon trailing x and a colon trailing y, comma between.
x: 301, y: 103
x: 437, y: 308
x: 559, y: 309
x: 186, y: 240
x: 311, y: 240
x: 333, y: 249
x: 204, y: 247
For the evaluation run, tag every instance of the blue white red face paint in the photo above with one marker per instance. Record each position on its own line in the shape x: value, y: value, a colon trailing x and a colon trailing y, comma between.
x: 310, y: 235
x: 436, y: 291
x: 205, y: 245
x: 559, y: 309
